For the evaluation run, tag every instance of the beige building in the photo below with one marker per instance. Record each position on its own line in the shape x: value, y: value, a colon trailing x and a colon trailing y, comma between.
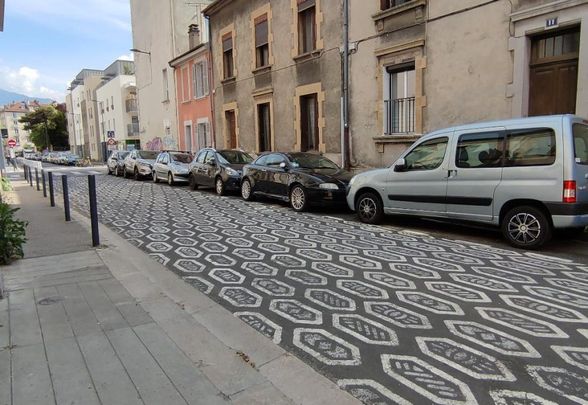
x: 277, y: 75
x: 160, y: 34
x: 10, y: 116
x: 421, y: 65
x: 117, y: 107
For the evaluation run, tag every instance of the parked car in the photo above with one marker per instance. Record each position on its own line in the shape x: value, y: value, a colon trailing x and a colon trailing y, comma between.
x: 115, y: 162
x: 139, y: 164
x: 172, y: 166
x: 302, y: 179
x: 527, y: 176
x: 71, y: 159
x: 219, y: 169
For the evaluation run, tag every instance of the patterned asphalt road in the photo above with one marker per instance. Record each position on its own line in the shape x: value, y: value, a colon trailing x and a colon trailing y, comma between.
x: 391, y: 316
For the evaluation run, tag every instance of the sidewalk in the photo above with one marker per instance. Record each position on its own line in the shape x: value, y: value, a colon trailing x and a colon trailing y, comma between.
x: 112, y: 326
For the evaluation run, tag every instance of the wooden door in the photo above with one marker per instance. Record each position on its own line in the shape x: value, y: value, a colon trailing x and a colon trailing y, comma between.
x: 231, y: 129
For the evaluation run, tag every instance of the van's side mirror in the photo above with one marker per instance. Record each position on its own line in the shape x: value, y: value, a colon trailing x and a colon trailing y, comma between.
x: 400, y: 165
x: 212, y: 162
x: 283, y: 165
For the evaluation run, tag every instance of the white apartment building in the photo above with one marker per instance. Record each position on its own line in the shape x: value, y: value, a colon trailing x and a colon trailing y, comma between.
x: 10, y: 116
x: 160, y: 34
x: 117, y: 107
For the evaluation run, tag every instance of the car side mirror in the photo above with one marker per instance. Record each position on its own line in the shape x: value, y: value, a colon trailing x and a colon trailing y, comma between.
x: 283, y: 166
x: 212, y: 162
x: 400, y: 165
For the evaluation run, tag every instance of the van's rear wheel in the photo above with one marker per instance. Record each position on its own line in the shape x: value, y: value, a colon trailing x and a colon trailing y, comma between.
x: 526, y: 227
x: 369, y: 208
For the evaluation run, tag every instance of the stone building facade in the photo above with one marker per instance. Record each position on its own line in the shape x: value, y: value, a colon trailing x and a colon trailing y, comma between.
x: 277, y: 75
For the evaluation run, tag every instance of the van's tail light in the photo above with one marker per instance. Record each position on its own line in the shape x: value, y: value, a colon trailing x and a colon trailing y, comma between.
x: 569, y: 191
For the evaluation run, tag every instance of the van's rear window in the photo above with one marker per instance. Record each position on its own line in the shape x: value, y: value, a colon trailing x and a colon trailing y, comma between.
x: 581, y: 143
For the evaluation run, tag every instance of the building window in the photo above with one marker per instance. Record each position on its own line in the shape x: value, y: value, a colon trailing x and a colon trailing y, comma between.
x: 112, y: 102
x: 188, y: 137
x: 386, y: 4
x: 165, y: 85
x: 231, y: 129
x: 228, y: 62
x: 309, y: 123
x: 306, y: 26
x: 261, y: 41
x: 264, y: 127
x: 200, y: 79
x: 399, y: 102
x: 203, y: 136
x: 184, y: 76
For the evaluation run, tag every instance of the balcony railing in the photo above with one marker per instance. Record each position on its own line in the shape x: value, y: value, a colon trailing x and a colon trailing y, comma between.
x: 131, y: 105
x: 386, y: 4
x: 399, y: 116
x: 133, y: 129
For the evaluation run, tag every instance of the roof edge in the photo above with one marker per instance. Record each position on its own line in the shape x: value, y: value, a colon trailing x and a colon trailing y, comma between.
x: 215, y: 7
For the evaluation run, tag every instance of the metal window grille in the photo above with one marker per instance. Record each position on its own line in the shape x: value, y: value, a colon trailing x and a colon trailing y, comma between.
x: 399, y: 116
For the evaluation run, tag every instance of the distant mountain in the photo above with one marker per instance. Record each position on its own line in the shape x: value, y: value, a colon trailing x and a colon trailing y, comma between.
x: 7, y: 97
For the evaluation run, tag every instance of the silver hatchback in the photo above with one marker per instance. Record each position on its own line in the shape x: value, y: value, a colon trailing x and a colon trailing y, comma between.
x: 527, y: 175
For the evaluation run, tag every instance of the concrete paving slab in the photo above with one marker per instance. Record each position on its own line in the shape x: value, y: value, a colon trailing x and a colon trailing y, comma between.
x: 5, y: 379
x: 130, y: 309
x: 31, y: 382
x: 104, y: 310
x: 302, y: 384
x: 111, y: 380
x: 81, y: 318
x: 140, y: 287
x: 24, y: 322
x: 52, y: 315
x: 237, y: 335
x: 4, y: 324
x: 227, y: 371
x: 153, y: 384
x: 262, y: 394
x: 192, y: 383
x: 71, y: 380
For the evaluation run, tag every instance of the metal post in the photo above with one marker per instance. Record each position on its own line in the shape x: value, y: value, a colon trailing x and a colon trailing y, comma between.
x: 51, y: 194
x: 37, y: 179
x: 93, y: 209
x: 25, y: 172
x: 44, y: 185
x: 30, y: 176
x: 65, y: 198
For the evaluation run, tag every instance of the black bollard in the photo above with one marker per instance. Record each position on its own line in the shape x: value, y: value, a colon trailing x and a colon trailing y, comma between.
x: 65, y: 198
x: 93, y: 209
x: 25, y: 173
x: 51, y: 194
x: 44, y: 185
x: 31, y: 176
x: 37, y: 179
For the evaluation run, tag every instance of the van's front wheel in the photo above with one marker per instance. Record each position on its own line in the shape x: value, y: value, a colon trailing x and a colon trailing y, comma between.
x: 526, y: 227
x: 369, y: 208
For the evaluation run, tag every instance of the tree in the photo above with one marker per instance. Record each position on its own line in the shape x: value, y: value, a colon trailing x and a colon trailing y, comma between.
x: 48, y: 127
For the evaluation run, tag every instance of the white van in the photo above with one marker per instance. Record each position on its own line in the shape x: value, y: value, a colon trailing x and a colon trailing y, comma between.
x: 526, y: 175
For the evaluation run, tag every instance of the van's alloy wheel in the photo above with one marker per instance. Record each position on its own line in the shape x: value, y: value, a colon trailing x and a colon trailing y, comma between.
x: 219, y: 186
x: 246, y: 190
x: 298, y: 199
x: 526, y: 227
x: 369, y: 208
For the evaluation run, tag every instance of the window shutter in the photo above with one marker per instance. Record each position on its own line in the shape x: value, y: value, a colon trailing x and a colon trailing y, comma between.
x: 384, y: 4
x: 204, y: 77
x: 305, y: 4
x: 261, y: 30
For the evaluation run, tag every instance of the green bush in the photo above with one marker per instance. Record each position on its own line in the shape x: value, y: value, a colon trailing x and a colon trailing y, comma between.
x: 12, y: 234
x: 6, y: 186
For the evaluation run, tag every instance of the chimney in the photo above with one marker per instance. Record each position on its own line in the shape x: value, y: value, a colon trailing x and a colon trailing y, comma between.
x: 193, y: 36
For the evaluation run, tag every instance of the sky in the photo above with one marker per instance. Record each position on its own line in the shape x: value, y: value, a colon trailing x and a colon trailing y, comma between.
x: 45, y: 43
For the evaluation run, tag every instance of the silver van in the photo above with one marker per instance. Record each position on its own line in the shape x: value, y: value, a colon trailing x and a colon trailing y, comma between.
x: 527, y: 175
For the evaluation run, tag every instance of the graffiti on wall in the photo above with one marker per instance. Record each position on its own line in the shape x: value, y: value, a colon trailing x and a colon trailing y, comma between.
x: 158, y: 143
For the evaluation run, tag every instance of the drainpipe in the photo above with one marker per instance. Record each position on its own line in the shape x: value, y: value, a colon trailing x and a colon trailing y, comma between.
x: 346, y: 143
x: 211, y: 89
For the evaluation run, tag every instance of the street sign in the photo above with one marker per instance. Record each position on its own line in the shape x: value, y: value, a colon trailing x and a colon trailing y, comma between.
x: 11, y: 142
x: 110, y: 134
x: 111, y: 141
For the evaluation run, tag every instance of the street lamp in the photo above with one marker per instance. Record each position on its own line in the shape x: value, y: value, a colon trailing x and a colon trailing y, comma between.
x: 140, y: 51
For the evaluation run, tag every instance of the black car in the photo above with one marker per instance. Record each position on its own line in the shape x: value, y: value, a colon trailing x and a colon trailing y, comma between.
x: 303, y: 179
x: 220, y: 169
x: 115, y: 162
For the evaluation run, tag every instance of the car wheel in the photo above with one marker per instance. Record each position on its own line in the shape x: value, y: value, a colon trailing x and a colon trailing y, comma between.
x: 109, y: 171
x: 526, y: 227
x: 298, y: 199
x: 155, y: 179
x: 170, y: 179
x: 369, y: 208
x: 219, y: 186
x: 136, y: 174
x: 246, y: 190
x: 192, y: 181
x: 125, y: 174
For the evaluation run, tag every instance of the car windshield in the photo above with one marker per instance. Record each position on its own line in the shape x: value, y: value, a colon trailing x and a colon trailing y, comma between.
x: 581, y: 143
x: 234, y: 157
x: 181, y: 157
x: 311, y: 161
x: 144, y: 154
x: 123, y: 155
